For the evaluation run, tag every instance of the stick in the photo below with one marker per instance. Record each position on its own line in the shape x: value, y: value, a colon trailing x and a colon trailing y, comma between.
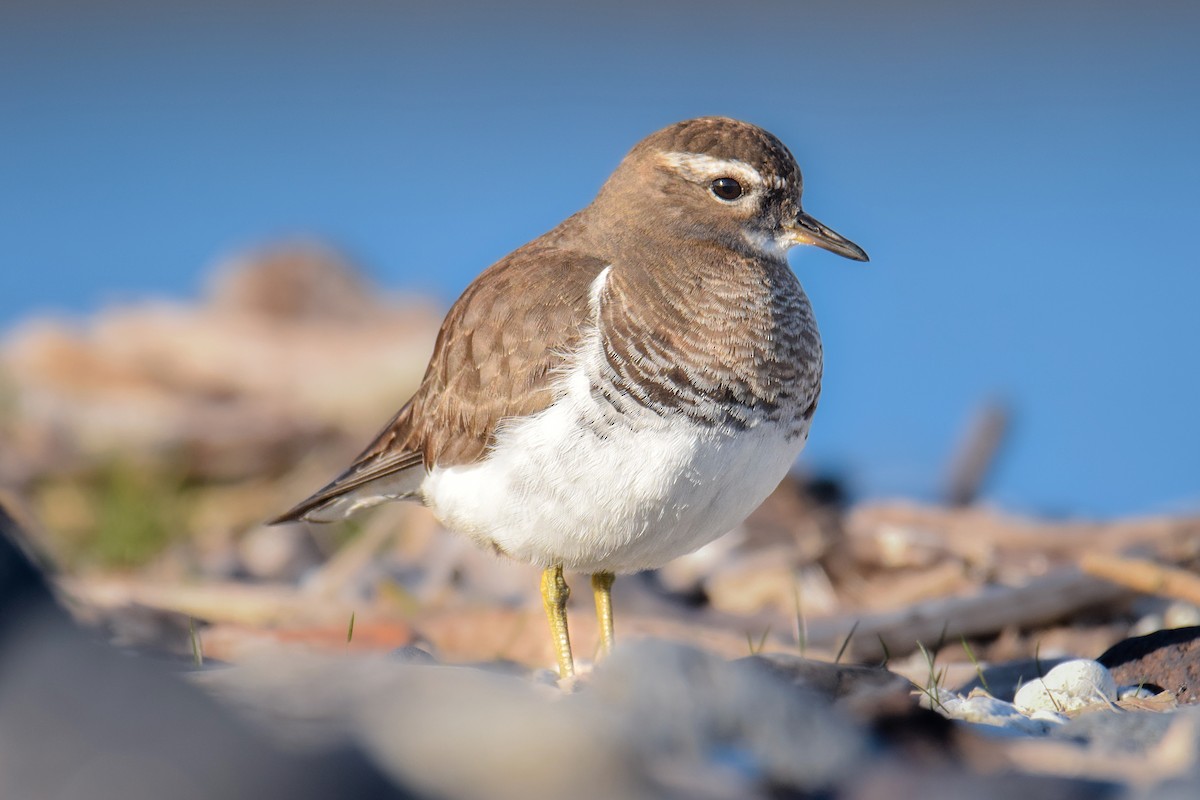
x: 994, y: 608
x: 1144, y: 576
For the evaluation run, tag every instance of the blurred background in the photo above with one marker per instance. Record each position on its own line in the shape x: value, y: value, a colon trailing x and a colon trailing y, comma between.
x: 182, y: 187
x: 229, y: 232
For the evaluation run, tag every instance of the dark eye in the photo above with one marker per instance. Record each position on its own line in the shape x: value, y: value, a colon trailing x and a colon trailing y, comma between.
x: 726, y: 188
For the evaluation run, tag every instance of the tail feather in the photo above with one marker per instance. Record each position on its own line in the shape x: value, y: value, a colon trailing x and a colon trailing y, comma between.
x: 365, y: 484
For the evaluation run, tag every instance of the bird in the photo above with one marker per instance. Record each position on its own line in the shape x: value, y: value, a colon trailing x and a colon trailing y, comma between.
x: 624, y: 388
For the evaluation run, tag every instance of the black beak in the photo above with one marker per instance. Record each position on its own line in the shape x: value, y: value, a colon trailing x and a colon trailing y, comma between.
x: 808, y: 231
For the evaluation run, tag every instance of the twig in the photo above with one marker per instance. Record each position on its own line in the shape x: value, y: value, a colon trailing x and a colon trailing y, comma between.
x: 1143, y: 576
x: 977, y: 453
x: 1042, y: 600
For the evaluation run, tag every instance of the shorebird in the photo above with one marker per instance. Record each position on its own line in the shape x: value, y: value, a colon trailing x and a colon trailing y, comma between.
x: 626, y: 387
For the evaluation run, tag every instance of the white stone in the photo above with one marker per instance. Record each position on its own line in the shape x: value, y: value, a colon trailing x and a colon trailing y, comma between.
x: 1134, y: 692
x: 1181, y: 615
x: 941, y: 700
x: 997, y: 717
x: 1069, y: 686
x: 987, y: 710
x: 1147, y: 624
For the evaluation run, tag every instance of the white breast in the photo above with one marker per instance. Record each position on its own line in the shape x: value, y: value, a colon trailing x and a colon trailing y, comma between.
x: 577, y: 486
x: 554, y: 492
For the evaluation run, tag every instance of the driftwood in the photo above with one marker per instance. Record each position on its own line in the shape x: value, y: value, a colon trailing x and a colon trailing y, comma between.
x: 249, y: 604
x: 1043, y: 600
x: 899, y: 534
x: 976, y: 454
x: 1144, y: 576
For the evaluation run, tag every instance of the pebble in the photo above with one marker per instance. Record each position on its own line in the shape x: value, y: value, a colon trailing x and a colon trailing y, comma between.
x: 1181, y: 615
x: 942, y: 700
x: 1175, y: 615
x: 1026, y: 716
x: 982, y: 708
x: 987, y: 710
x: 1068, y: 687
x: 1136, y: 692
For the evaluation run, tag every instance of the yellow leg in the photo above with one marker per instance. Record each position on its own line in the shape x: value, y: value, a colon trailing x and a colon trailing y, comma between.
x: 554, y: 596
x: 602, y: 588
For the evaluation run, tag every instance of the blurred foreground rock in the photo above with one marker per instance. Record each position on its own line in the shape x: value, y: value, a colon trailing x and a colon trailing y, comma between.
x: 80, y: 720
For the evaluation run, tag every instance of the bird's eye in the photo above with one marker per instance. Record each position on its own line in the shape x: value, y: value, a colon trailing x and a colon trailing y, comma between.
x: 726, y: 188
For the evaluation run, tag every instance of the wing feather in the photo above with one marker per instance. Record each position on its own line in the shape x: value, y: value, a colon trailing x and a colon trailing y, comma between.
x: 495, y: 358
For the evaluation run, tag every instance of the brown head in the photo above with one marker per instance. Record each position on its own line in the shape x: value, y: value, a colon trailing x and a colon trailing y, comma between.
x: 717, y: 179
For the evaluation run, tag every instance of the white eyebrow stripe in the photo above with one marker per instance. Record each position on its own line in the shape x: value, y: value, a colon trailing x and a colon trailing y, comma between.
x: 701, y: 167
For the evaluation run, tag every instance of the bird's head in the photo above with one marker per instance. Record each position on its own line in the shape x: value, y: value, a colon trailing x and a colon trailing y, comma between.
x: 715, y: 178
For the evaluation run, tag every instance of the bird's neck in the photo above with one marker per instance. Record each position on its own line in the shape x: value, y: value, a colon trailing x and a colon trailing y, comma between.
x: 708, y: 329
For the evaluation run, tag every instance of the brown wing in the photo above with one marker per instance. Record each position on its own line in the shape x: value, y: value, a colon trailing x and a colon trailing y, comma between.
x: 494, y: 358
x: 496, y: 352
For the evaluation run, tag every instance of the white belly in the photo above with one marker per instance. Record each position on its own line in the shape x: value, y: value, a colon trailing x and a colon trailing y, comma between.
x: 553, y: 491
x: 597, y: 490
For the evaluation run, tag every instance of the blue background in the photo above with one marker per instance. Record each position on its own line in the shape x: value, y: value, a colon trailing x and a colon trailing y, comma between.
x: 1024, y: 176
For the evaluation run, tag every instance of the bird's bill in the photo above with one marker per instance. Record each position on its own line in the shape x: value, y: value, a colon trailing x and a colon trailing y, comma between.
x: 807, y: 230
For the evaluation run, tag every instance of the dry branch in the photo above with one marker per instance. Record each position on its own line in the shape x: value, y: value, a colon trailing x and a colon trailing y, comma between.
x: 264, y: 604
x: 976, y: 454
x: 979, y: 535
x: 994, y: 608
x: 1144, y: 576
